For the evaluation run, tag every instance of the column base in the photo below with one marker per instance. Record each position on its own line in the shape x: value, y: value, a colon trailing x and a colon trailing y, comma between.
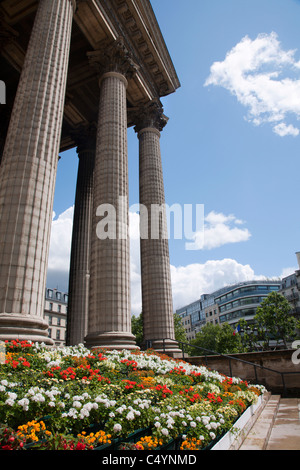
x: 168, y: 347
x: 111, y: 340
x: 24, y: 327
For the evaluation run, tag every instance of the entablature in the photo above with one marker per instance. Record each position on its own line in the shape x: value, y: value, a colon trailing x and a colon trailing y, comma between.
x: 97, y: 24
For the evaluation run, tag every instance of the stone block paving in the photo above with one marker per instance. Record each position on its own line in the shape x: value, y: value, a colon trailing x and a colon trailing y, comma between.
x: 277, y: 427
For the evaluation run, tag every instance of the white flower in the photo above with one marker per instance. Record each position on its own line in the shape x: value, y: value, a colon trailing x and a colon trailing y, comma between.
x: 130, y: 415
x: 121, y: 409
x: 165, y: 432
x: 10, y: 402
x: 77, y: 404
x: 117, y: 427
x: 111, y: 414
x: 52, y: 404
x: 157, y: 424
x: 212, y: 435
x: 38, y: 398
x: 73, y: 413
x: 193, y: 424
x: 84, y: 413
x: 24, y: 402
x: 12, y: 395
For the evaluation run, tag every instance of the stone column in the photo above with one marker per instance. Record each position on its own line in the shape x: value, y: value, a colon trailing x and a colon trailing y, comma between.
x: 110, y: 307
x: 28, y: 171
x: 157, y: 300
x: 79, y: 279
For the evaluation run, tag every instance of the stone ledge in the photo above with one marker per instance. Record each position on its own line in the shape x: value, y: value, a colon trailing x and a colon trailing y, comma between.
x: 234, y: 439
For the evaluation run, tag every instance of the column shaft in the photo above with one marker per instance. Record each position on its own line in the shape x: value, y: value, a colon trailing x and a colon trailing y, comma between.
x: 109, y: 309
x: 157, y: 300
x: 79, y: 279
x: 28, y: 171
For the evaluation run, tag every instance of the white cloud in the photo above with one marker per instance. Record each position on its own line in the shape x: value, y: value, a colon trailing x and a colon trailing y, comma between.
x: 219, y: 229
x: 135, y: 265
x: 288, y: 271
x: 60, y: 241
x: 264, y: 78
x: 190, y: 282
x: 282, y: 129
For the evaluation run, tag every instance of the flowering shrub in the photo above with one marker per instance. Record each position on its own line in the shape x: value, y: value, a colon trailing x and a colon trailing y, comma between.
x: 75, y: 399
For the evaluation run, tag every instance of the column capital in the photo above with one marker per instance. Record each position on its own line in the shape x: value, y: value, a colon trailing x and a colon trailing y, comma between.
x: 84, y: 137
x: 149, y: 116
x: 115, y: 58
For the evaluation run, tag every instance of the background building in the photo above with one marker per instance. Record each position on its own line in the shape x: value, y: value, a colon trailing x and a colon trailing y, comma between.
x: 242, y: 300
x: 189, y: 315
x: 55, y: 313
x: 290, y: 288
x: 226, y: 305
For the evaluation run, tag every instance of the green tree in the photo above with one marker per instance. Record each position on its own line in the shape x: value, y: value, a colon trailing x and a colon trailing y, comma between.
x: 217, y: 338
x: 180, y: 333
x: 274, y: 321
x: 249, y: 335
x: 137, y: 329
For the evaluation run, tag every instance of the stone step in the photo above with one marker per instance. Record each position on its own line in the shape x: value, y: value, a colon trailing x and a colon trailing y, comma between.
x: 258, y: 437
x: 285, y: 433
x: 277, y: 427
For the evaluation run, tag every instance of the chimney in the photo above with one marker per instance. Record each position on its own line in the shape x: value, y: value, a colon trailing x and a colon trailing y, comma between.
x: 298, y: 258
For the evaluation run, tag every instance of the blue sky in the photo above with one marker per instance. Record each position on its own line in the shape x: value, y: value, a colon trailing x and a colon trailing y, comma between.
x: 231, y: 144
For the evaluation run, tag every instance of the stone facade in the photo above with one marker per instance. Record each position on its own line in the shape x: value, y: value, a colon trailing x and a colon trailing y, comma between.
x: 81, y: 73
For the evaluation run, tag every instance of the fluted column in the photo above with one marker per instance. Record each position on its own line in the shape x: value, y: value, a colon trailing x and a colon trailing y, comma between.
x: 79, y: 279
x: 110, y: 307
x: 28, y: 172
x: 157, y: 303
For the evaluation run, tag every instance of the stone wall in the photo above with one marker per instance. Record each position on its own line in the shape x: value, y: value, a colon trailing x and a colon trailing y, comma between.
x: 280, y: 361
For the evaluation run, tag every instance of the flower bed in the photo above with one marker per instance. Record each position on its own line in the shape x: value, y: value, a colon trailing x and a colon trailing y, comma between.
x: 76, y: 399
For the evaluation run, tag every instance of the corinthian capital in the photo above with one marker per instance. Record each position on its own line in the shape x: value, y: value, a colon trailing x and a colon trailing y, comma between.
x: 84, y: 137
x: 150, y: 115
x: 114, y: 58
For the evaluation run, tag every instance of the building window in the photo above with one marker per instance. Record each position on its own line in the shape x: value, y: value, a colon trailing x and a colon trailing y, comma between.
x: 50, y: 306
x: 50, y: 293
x: 57, y: 334
x: 50, y: 320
